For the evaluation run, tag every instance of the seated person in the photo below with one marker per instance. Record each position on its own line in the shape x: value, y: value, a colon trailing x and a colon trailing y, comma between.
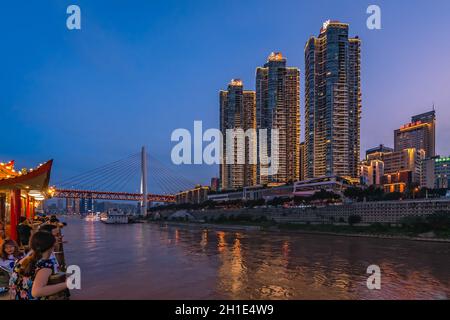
x: 9, y: 253
x: 24, y: 231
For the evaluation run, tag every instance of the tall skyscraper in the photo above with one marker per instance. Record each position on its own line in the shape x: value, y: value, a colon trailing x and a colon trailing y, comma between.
x: 215, y: 184
x: 278, y: 107
x: 302, y: 161
x: 419, y: 134
x: 69, y: 206
x: 237, y: 111
x: 332, y: 102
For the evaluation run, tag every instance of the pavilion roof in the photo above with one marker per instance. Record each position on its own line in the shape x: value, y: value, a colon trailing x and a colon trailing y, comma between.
x: 33, y: 179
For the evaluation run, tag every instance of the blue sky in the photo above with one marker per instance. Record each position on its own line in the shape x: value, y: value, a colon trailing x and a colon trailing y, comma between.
x: 140, y: 69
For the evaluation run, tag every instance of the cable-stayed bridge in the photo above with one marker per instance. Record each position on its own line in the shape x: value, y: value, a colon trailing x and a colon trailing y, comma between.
x: 126, y: 179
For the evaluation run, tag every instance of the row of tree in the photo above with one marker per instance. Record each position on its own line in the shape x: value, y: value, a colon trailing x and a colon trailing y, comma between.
x: 373, y: 193
x: 358, y: 194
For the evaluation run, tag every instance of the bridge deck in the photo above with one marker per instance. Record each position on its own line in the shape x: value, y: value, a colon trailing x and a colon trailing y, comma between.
x: 106, y: 195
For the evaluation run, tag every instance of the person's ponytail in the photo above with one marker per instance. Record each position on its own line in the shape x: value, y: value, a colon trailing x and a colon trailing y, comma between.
x: 39, y: 243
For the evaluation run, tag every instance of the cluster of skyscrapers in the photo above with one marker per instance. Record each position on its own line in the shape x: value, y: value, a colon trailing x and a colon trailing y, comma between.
x: 331, y: 146
x: 332, y: 113
x: 85, y: 206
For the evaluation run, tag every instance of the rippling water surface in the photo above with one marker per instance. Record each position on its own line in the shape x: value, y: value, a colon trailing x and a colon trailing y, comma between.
x: 148, y: 261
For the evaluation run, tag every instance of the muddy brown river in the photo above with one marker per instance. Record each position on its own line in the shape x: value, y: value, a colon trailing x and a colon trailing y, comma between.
x: 148, y: 261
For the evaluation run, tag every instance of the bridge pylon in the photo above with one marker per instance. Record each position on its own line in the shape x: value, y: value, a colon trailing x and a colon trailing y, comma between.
x: 144, y: 191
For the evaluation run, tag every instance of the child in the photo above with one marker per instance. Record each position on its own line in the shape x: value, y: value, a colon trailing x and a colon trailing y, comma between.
x: 9, y: 253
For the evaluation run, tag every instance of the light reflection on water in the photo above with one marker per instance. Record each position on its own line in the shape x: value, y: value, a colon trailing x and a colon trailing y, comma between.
x: 146, y: 261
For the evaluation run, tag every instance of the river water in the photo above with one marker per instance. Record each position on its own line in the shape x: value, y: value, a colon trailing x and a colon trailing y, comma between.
x: 148, y: 261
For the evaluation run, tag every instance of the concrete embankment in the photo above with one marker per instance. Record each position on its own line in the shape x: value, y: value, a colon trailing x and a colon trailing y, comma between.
x: 210, y: 226
x: 276, y: 229
x: 389, y: 212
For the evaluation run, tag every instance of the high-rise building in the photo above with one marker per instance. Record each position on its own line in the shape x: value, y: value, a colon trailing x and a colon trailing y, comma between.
x: 60, y: 205
x: 420, y: 133
x: 399, y: 166
x: 69, y: 206
x: 380, y: 149
x: 237, y: 111
x: 395, y: 170
x: 442, y: 173
x: 278, y: 107
x: 436, y: 173
x: 76, y: 206
x: 372, y: 172
x: 215, y: 184
x: 302, y: 161
x: 332, y: 102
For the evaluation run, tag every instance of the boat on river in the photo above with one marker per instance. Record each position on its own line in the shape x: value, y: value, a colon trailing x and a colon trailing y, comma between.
x: 116, y: 216
x: 93, y: 217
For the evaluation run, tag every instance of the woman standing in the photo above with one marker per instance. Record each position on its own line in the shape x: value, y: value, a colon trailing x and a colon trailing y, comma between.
x: 30, y: 277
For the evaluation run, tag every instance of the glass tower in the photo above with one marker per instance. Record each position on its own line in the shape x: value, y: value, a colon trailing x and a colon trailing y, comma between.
x: 332, y: 102
x: 278, y: 107
x: 237, y: 111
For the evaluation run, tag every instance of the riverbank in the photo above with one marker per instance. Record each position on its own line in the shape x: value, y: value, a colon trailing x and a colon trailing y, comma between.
x: 379, y: 232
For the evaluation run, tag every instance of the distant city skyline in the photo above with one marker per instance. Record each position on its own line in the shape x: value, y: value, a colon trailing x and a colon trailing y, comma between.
x: 133, y: 74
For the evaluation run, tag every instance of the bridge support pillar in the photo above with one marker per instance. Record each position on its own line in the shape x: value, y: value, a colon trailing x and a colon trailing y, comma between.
x: 144, y: 182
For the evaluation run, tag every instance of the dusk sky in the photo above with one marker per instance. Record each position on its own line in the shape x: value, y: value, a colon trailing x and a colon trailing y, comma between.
x: 137, y: 70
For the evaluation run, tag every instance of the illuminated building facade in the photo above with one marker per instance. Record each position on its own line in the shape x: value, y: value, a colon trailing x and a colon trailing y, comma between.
x: 442, y: 173
x: 405, y: 160
x: 419, y: 134
x: 380, y: 149
x: 436, y: 173
x: 333, y: 184
x: 278, y: 107
x: 196, y: 195
x: 215, y: 184
x: 21, y: 192
x: 302, y: 161
x: 237, y: 111
x: 372, y: 172
x: 332, y: 102
x: 395, y: 170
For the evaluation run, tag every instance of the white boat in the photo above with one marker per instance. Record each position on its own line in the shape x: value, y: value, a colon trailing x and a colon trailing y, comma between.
x: 115, y: 216
x: 93, y: 217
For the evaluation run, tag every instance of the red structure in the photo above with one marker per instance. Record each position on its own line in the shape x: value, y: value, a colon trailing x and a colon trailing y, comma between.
x: 20, y: 194
x: 106, y: 195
